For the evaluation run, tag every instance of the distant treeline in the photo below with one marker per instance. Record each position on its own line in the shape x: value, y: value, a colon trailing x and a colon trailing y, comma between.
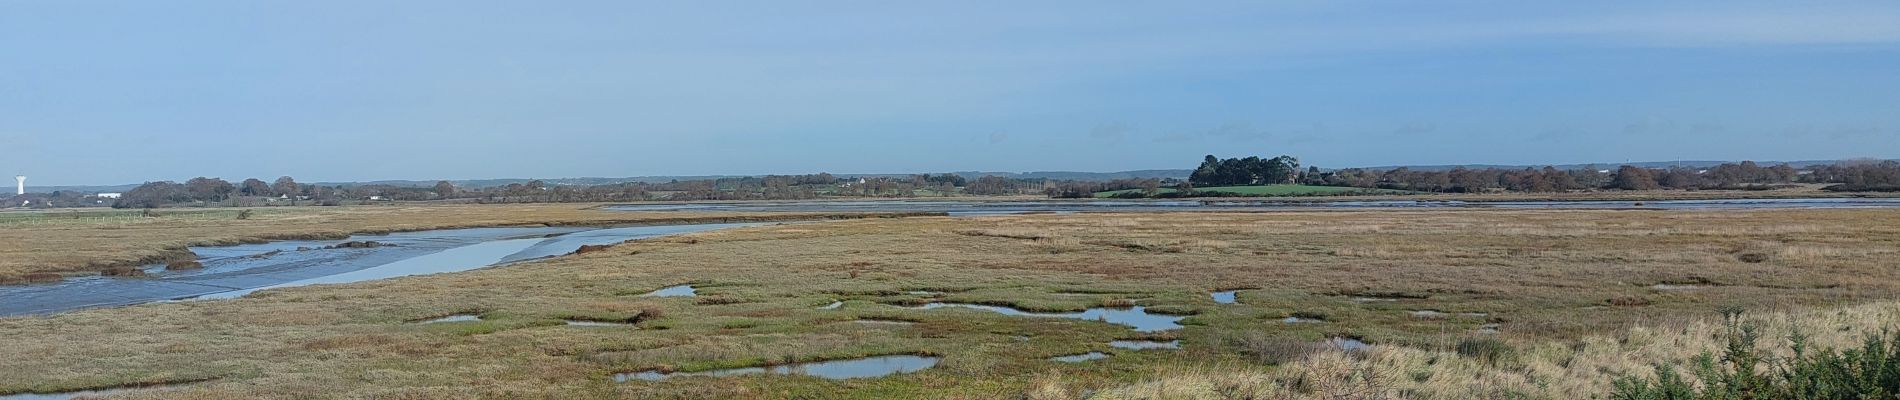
x: 207, y: 192
x: 1848, y: 176
x: 1853, y: 176
x: 1246, y: 171
x: 287, y: 191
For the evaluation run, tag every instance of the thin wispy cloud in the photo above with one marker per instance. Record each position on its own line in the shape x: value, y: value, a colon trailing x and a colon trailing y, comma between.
x: 1175, y: 137
x: 1111, y: 132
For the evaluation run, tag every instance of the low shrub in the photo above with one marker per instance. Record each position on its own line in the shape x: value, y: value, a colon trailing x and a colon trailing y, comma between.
x: 1492, y: 351
x: 1312, y: 315
x: 718, y: 300
x: 1629, y: 301
x: 1275, y: 350
x: 1745, y: 371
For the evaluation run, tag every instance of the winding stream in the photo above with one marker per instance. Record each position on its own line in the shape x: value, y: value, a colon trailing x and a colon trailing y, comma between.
x: 235, y: 271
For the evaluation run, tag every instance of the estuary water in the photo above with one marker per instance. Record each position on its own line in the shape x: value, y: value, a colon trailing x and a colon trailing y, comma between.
x: 235, y: 271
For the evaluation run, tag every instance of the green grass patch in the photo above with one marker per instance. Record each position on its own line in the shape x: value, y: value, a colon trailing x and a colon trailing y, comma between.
x: 1268, y: 190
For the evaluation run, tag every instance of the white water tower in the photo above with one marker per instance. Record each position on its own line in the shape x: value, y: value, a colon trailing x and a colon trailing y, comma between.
x: 22, y: 180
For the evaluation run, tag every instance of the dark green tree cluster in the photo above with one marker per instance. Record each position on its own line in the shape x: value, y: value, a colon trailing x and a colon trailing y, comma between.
x: 953, y: 180
x: 1252, y: 170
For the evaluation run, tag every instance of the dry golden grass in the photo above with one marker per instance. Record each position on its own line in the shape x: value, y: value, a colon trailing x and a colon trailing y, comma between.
x: 1582, y: 368
x: 1544, y: 277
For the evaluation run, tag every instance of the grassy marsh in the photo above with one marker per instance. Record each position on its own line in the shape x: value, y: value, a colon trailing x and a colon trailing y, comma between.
x: 1545, y: 280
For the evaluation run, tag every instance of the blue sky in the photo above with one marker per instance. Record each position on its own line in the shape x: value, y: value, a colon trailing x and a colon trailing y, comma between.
x: 95, y: 92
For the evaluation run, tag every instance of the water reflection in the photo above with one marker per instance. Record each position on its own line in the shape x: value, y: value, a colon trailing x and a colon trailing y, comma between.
x: 1226, y: 297
x: 1135, y: 317
x: 233, y: 271
x: 86, y: 394
x: 1347, y: 344
x: 673, y: 291
x: 66, y: 395
x: 870, y: 367
x: 1093, y: 355
x: 457, y: 259
x: 452, y: 318
x: 1145, y: 344
x: 587, y: 323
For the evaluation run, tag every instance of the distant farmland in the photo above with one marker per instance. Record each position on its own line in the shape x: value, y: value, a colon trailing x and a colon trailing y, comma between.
x: 1270, y: 190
